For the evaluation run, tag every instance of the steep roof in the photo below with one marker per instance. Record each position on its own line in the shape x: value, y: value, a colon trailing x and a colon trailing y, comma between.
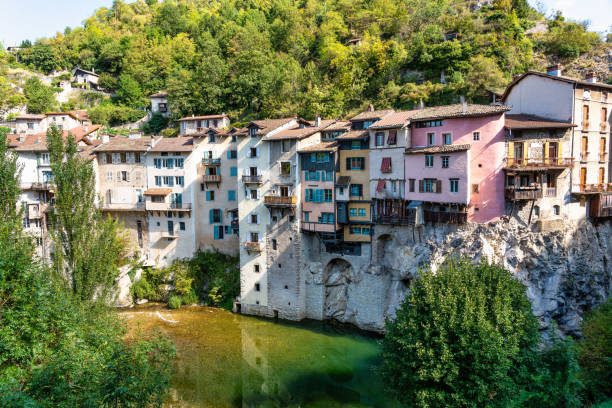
x: 329, y: 146
x: 397, y: 119
x: 221, y: 116
x: 267, y: 125
x: 438, y: 149
x: 374, y: 114
x: 72, y: 115
x: 534, y: 122
x: 339, y: 125
x: 85, y: 71
x: 568, y: 80
x: 160, y: 94
x: 296, y: 132
x: 458, y: 111
x: 125, y: 144
x: 174, y: 144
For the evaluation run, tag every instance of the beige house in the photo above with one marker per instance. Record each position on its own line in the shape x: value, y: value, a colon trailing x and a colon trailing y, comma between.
x: 122, y: 181
x: 198, y: 125
x: 159, y: 103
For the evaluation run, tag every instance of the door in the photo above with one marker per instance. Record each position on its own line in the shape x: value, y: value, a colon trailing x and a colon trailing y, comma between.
x: 553, y: 152
x: 583, y: 175
x: 518, y: 153
x: 284, y: 191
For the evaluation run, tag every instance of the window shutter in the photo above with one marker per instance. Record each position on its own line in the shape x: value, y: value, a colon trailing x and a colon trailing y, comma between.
x: 360, y: 190
x: 118, y: 176
x: 127, y: 176
x: 218, y: 171
x: 210, y: 216
x: 258, y: 219
x: 257, y: 151
x: 313, y: 157
x: 438, y: 186
x: 363, y: 159
x: 421, y: 186
x: 216, y: 229
x: 229, y: 154
x: 348, y: 163
x: 170, y: 181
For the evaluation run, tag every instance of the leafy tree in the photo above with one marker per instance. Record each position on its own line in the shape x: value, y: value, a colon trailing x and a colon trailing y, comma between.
x: 88, y: 248
x: 465, y: 336
x: 113, y: 115
x: 41, y: 56
x: 10, y: 173
x: 40, y: 97
x: 156, y: 124
x: 129, y: 92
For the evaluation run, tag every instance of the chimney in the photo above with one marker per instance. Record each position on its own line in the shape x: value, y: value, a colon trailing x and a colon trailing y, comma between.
x: 318, y: 120
x: 591, y: 77
x: 93, y: 69
x: 463, y: 104
x: 370, y: 108
x: 554, y: 70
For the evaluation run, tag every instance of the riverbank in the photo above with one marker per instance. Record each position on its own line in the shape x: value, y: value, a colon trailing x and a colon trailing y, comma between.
x: 229, y: 360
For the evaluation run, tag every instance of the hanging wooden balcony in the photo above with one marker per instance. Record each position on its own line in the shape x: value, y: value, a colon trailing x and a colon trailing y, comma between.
x: 279, y: 201
x: 251, y: 179
x: 37, y: 186
x: 592, y: 188
x: 445, y: 217
x: 252, y: 246
x: 209, y: 162
x: 395, y: 219
x: 523, y: 193
x: 211, y: 178
x: 546, y: 163
x: 601, y: 206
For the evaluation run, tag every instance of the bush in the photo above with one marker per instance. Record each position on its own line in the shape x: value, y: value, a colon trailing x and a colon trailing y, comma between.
x: 190, y: 298
x: 174, y: 302
x: 464, y: 336
x: 156, y: 124
x: 142, y: 290
x: 114, y: 115
x: 216, y: 278
x: 596, y: 353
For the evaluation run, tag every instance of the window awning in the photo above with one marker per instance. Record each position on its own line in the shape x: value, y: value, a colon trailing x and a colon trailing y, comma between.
x: 380, y: 186
x: 415, y: 204
x: 158, y: 191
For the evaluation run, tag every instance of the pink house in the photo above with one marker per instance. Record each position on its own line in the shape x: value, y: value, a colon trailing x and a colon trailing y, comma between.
x: 454, y: 162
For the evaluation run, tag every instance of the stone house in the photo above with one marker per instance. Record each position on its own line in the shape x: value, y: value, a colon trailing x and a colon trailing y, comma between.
x: 159, y: 103
x: 30, y: 124
x: 197, y: 124
x: 89, y: 78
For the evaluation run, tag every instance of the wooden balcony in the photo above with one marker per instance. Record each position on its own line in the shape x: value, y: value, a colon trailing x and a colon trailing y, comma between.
x: 592, y: 188
x: 211, y: 178
x: 546, y: 163
x: 40, y: 186
x: 306, y: 226
x: 551, y: 192
x: 445, y: 217
x: 395, y: 219
x: 278, y: 201
x: 252, y: 246
x: 209, y: 162
x: 251, y: 179
x: 523, y: 193
x: 601, y: 206
x: 123, y: 206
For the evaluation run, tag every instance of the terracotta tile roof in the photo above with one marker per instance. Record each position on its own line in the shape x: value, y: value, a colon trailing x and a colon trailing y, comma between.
x: 72, y: 115
x: 296, y: 132
x: 353, y: 135
x: 158, y: 191
x: 458, y: 111
x: 369, y: 115
x: 397, y: 119
x: 85, y: 71
x: 81, y: 115
x: 438, y: 149
x: 339, y: 125
x: 329, y: 146
x: 556, y: 78
x: 534, y: 122
x: 125, y: 144
x: 30, y: 116
x: 174, y: 144
x: 221, y: 116
x: 267, y: 125
x: 160, y: 94
x: 38, y: 142
x: 343, y: 181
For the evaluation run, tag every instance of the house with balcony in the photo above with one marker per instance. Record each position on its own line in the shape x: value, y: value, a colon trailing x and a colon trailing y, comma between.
x: 194, y: 125
x: 453, y: 166
x: 216, y: 189
x: 122, y: 183
x: 169, y: 198
x: 587, y: 105
x: 537, y: 166
x: 159, y: 103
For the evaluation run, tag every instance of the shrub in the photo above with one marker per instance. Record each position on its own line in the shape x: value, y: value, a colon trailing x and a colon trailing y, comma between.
x: 190, y: 298
x: 216, y: 278
x: 174, y: 302
x: 113, y: 115
x: 142, y: 290
x: 169, y: 132
x: 156, y: 124
x: 464, y: 336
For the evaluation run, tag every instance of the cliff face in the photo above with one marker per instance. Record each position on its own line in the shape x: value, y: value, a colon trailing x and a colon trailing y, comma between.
x: 567, y: 270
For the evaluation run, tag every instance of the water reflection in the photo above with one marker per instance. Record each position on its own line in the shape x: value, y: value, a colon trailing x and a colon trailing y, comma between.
x: 227, y: 360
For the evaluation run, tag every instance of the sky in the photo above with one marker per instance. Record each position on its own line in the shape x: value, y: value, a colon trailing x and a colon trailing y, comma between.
x: 33, y: 19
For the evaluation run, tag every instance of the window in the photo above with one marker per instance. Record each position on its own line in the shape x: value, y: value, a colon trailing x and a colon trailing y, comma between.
x: 454, y: 185
x: 356, y: 145
x: 353, y: 212
x: 253, y: 195
x: 392, y: 140
x: 355, y: 163
x: 218, y: 231
x: 231, y: 195
x: 232, y: 154
x: 411, y: 185
x: 256, y: 268
x: 306, y: 215
x: 109, y: 176
x: 202, y: 187
x: 385, y: 166
x: 254, y: 237
x: 123, y: 157
x: 447, y: 138
x: 234, y: 171
x: 431, y: 139
x: 179, y: 163
x: 157, y: 162
x: 179, y: 180
x: 109, y: 158
x: 215, y: 216
x: 286, y: 146
x: 327, y: 195
x: 124, y: 176
x: 234, y: 139
x: 285, y: 168
x: 30, y: 125
x: 254, y: 218
x: 257, y: 289
x: 356, y: 190
x: 319, y: 157
x: 326, y: 218
x: 429, y: 160
x: 210, y: 195
x: 362, y: 212
x: 429, y: 186
x: 253, y: 132
x: 445, y: 160
x: 252, y: 152
x: 475, y: 188
x: 431, y: 123
x: 380, y: 139
x: 556, y: 210
x: 157, y: 199
x: 476, y: 136
x: 182, y: 226
x: 212, y: 139
x: 158, y: 181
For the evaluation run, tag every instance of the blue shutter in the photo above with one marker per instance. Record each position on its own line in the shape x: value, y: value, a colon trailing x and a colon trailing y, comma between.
x: 216, y: 232
x: 313, y: 157
x: 231, y: 195
x: 234, y: 171
x: 229, y: 154
x: 210, y: 216
x: 218, y: 171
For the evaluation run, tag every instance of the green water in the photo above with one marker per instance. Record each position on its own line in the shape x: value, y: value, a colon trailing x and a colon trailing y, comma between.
x: 228, y: 360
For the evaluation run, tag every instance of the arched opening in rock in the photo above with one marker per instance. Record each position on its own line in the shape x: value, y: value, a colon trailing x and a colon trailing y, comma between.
x: 337, y: 277
x: 385, y: 247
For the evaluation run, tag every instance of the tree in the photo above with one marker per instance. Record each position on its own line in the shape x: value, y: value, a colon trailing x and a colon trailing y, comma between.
x: 41, y: 56
x: 156, y: 124
x: 88, y: 248
x: 465, y: 336
x: 40, y: 97
x: 10, y: 174
x: 129, y: 92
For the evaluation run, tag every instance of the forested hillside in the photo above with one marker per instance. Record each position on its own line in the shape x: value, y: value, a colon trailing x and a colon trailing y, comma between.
x: 266, y: 58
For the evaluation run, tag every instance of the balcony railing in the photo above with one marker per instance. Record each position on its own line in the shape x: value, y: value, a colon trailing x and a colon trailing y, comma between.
x: 211, y: 162
x: 551, y: 191
x: 278, y: 201
x: 603, y: 157
x: 251, y: 179
x: 308, y: 226
x: 123, y: 206
x: 41, y: 186
x: 395, y: 219
x: 169, y: 234
x: 180, y: 206
x: 252, y: 246
x: 211, y: 178
x: 584, y: 156
x: 525, y: 193
x: 601, y: 206
x: 594, y: 188
x: 445, y: 217
x: 545, y: 162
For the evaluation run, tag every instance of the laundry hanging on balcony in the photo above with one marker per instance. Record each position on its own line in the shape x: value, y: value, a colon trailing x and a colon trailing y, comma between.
x: 381, y: 186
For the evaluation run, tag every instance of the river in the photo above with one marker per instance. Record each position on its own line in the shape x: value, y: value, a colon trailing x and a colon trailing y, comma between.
x: 229, y: 360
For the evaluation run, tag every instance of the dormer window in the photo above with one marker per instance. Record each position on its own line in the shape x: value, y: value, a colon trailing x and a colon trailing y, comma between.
x: 212, y: 139
x: 253, y: 132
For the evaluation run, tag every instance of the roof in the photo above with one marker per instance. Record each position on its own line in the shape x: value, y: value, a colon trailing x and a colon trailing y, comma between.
x: 397, y: 119
x: 38, y: 142
x: 267, y: 125
x: 174, y: 144
x: 221, y: 116
x: 160, y: 94
x: 30, y: 116
x: 353, y: 135
x: 375, y: 114
x: 329, y: 146
x: 296, y: 132
x: 343, y: 181
x: 339, y: 125
x: 438, y: 149
x: 72, y: 115
x: 458, y: 110
x: 81, y: 114
x: 534, y: 122
x: 158, y: 191
x: 125, y: 144
x: 569, y: 80
x: 85, y: 71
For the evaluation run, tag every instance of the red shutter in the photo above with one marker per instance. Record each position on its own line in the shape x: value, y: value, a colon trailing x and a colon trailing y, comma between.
x: 386, y: 165
x: 392, y: 137
x: 380, y: 186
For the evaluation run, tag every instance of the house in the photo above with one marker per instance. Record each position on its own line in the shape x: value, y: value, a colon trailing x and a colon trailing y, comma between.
x: 122, y: 181
x: 159, y: 103
x: 30, y: 124
x: 193, y: 125
x: 63, y: 120
x: 586, y: 104
x: 88, y: 78
x: 172, y: 169
x: 453, y: 165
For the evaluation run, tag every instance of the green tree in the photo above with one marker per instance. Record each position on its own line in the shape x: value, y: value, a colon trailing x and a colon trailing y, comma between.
x: 88, y: 248
x: 42, y: 57
x: 10, y: 174
x: 465, y: 336
x: 156, y: 124
x: 129, y: 92
x: 40, y: 97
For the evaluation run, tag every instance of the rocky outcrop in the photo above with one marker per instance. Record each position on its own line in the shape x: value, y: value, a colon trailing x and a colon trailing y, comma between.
x: 566, y: 271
